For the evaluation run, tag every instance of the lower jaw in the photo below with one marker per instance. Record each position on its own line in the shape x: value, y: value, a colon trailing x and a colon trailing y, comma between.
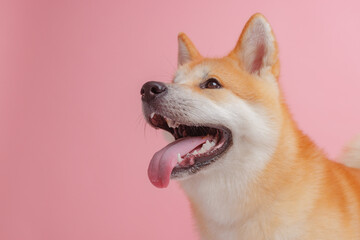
x: 179, y: 173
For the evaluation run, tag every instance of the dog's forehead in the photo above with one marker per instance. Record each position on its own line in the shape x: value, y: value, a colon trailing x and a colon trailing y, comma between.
x: 185, y: 73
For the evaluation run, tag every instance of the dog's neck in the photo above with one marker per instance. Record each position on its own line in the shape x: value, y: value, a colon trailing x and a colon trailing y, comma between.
x: 224, y: 199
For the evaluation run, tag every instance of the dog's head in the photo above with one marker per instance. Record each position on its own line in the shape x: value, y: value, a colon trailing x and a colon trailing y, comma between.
x: 222, y: 112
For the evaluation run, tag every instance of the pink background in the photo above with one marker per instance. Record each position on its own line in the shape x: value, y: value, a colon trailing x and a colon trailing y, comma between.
x: 73, y: 147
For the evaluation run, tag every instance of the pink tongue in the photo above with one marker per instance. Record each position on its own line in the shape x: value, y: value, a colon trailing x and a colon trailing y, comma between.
x: 165, y: 160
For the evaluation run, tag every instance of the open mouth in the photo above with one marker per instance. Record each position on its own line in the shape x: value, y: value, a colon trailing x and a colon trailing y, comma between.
x: 194, y: 148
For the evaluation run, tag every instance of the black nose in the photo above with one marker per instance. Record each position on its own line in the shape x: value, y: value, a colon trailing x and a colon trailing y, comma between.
x: 151, y: 90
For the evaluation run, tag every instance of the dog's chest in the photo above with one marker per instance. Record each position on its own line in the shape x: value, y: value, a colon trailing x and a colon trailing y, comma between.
x: 231, y: 216
x: 223, y: 214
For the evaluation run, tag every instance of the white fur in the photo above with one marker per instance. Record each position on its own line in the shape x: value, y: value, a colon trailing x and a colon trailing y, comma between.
x: 351, y: 154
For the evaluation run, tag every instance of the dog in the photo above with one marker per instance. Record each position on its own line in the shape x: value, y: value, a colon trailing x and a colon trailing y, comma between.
x: 246, y: 168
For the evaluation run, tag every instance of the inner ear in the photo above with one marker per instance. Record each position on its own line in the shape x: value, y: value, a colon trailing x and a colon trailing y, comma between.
x: 257, y: 63
x: 257, y: 48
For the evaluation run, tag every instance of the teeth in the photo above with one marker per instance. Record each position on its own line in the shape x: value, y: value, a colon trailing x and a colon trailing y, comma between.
x: 206, y: 146
x: 179, y: 158
x: 152, y: 115
x: 202, y: 150
x: 171, y: 123
x: 192, y: 161
x: 191, y: 156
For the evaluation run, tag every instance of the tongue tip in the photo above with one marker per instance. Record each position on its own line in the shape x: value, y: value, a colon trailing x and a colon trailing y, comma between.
x: 160, y: 184
x: 158, y: 181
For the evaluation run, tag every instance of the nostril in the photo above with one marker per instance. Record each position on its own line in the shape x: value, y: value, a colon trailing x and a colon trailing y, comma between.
x: 156, y: 90
x: 153, y: 90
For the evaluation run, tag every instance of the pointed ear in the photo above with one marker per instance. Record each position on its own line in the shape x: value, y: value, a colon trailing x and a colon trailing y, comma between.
x: 187, y: 51
x: 257, y: 48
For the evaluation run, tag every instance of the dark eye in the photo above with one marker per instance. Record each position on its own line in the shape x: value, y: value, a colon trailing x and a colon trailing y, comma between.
x: 211, y: 83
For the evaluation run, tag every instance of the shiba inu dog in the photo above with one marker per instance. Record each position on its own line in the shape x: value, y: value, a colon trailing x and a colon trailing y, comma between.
x: 247, y: 169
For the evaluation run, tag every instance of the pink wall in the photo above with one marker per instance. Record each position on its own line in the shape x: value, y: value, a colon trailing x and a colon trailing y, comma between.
x: 73, y: 147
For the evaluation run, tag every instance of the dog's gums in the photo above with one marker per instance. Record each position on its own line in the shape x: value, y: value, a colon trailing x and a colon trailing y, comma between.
x: 194, y: 148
